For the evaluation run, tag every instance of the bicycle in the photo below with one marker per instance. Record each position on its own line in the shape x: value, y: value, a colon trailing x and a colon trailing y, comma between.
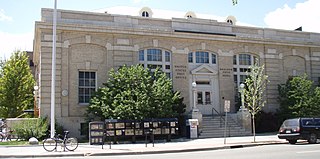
x: 6, y: 133
x: 6, y: 136
x: 51, y: 144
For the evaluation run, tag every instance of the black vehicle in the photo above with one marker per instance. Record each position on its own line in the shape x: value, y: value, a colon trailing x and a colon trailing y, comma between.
x: 300, y: 129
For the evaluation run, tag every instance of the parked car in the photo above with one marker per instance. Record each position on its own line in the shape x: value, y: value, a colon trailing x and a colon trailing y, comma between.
x: 300, y: 129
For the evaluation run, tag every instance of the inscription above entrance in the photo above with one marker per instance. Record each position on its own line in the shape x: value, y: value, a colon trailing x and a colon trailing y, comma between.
x: 180, y: 71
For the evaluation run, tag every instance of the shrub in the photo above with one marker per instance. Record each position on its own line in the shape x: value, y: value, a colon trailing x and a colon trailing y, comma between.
x: 31, y: 128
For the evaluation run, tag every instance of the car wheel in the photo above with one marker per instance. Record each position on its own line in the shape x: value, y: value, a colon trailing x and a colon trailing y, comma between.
x: 312, y: 138
x: 292, y: 141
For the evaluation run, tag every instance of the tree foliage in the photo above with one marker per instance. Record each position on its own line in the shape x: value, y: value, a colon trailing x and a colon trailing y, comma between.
x: 136, y: 93
x: 16, y: 85
x: 254, y: 92
x: 299, y: 98
x: 255, y: 88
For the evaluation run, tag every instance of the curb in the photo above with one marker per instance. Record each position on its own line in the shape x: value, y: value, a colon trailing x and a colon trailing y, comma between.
x: 233, y: 146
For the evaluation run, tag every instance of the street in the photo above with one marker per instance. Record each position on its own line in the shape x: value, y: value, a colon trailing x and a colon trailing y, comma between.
x: 298, y: 151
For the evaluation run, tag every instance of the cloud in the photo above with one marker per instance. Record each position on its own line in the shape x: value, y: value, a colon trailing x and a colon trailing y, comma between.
x: 305, y: 14
x: 12, y: 42
x: 3, y: 17
x: 139, y: 1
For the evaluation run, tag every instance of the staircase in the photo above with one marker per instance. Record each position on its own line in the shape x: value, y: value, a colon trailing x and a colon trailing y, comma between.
x: 214, y: 127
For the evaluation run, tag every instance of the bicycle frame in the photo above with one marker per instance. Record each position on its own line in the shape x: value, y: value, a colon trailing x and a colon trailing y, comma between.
x: 61, y: 141
x: 51, y: 144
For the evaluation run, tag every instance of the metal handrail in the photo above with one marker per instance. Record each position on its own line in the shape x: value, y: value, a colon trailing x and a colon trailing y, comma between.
x: 220, y: 115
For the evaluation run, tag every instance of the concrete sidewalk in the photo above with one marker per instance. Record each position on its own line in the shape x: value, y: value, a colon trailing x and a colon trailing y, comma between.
x: 179, y: 145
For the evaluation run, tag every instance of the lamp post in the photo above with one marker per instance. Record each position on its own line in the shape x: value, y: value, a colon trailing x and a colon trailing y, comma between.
x: 241, y: 90
x: 36, y: 101
x: 194, y: 89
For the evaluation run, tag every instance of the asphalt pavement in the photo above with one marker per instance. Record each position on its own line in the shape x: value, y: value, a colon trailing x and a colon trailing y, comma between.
x: 177, y: 145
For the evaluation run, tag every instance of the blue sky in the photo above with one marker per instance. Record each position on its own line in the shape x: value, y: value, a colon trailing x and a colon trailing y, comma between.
x: 17, y: 17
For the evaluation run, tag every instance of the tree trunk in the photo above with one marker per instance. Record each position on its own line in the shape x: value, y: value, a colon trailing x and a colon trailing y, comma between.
x: 254, y: 129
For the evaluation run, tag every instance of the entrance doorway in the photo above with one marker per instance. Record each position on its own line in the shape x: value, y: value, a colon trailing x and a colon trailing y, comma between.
x: 206, y: 91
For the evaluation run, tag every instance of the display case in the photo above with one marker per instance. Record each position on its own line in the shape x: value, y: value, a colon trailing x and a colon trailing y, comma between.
x: 126, y: 129
x: 96, y: 133
x: 138, y: 128
x: 129, y: 128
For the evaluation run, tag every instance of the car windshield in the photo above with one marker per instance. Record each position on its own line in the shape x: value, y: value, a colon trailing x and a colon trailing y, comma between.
x: 291, y: 123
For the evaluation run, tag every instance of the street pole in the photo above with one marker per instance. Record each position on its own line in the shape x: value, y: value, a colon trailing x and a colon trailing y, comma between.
x: 241, y: 90
x: 226, y: 109
x: 194, y: 92
x: 53, y: 77
x: 225, y: 128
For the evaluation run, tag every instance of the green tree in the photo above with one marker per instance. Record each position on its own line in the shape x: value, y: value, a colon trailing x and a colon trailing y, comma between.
x: 135, y: 93
x: 16, y: 86
x: 299, y: 98
x: 254, y: 92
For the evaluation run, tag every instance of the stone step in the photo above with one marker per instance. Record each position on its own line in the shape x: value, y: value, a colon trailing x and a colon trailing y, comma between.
x: 222, y: 129
x: 215, y: 127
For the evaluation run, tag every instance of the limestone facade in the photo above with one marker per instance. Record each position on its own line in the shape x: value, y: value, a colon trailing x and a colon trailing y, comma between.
x: 98, y: 42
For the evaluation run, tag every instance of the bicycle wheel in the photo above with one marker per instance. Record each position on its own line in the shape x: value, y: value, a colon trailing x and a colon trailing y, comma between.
x: 49, y: 144
x: 71, y: 144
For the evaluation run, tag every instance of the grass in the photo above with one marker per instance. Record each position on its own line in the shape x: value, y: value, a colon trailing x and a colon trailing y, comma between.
x: 14, y: 143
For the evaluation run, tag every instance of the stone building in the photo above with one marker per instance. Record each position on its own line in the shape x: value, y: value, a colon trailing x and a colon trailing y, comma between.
x: 215, y: 55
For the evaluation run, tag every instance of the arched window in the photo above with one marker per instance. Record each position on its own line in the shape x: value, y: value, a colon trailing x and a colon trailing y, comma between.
x: 202, y: 57
x: 145, y: 14
x: 230, y: 21
x: 241, y: 64
x: 190, y: 14
x: 156, y: 58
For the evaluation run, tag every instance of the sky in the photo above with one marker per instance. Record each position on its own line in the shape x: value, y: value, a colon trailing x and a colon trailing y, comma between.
x: 17, y: 17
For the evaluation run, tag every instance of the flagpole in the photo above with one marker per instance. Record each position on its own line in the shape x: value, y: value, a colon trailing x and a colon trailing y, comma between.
x: 53, y: 77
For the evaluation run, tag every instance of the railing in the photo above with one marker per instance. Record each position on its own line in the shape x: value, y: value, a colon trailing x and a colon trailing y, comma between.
x: 219, y: 114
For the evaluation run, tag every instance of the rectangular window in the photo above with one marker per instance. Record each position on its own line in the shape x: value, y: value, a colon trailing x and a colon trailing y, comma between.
x: 199, y: 98
x: 234, y: 59
x: 190, y: 57
x: 208, y: 97
x: 167, y: 67
x: 213, y: 59
x: 31, y: 63
x: 245, y: 70
x: 141, y: 55
x: 84, y: 129
x: 244, y: 59
x: 168, y: 74
x: 154, y: 55
x: 235, y: 79
x: 150, y: 66
x: 87, y: 86
x: 234, y: 69
x: 243, y: 78
x: 167, y: 56
x: 202, y: 57
x: 203, y: 82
